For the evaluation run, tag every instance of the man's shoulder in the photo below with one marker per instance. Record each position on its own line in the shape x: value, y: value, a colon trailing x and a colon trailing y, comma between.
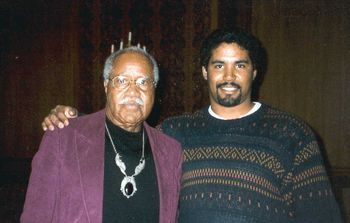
x: 184, y: 118
x: 285, y: 118
x: 87, y: 120
x: 164, y: 142
x: 86, y: 125
x: 157, y: 132
x: 274, y: 112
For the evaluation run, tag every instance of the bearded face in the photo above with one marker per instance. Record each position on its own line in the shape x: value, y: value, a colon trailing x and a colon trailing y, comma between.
x: 230, y: 74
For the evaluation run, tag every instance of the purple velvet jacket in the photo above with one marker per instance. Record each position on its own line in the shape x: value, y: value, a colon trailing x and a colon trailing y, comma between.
x: 66, y: 183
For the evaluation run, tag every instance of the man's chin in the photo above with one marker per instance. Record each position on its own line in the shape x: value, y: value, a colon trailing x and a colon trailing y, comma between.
x: 131, y: 120
x: 229, y: 102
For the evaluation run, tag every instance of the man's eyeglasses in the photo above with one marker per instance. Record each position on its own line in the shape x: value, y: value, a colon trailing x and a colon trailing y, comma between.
x: 121, y: 82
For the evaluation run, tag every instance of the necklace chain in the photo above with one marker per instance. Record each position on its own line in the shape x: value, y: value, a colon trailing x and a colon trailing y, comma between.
x: 128, y: 184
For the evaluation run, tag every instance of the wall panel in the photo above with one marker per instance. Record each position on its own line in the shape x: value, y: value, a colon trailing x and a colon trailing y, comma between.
x: 308, y: 48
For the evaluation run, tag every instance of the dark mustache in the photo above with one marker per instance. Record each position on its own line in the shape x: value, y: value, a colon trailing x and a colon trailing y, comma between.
x: 228, y: 83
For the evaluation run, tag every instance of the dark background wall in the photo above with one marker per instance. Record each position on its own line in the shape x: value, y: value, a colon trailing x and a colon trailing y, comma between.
x: 52, y: 52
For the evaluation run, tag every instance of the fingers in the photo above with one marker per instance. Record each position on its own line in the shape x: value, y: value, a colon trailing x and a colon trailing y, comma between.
x: 47, y: 124
x: 59, y: 117
x: 56, y: 118
x: 70, y: 112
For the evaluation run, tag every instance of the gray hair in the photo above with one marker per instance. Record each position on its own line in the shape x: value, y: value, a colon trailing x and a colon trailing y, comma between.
x: 110, y: 60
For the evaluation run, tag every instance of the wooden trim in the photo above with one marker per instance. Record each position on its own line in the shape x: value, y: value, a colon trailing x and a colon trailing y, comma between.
x: 340, y: 171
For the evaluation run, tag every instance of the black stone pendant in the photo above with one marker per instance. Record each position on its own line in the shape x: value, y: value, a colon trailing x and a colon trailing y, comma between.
x: 128, y: 186
x: 129, y: 189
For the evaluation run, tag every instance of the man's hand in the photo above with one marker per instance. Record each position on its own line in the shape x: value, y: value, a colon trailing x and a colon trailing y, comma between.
x: 59, y: 117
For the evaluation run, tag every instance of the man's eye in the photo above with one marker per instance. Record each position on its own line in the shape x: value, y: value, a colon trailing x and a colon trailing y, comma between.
x: 241, y: 66
x: 218, y: 66
x: 121, y: 80
x: 141, y: 81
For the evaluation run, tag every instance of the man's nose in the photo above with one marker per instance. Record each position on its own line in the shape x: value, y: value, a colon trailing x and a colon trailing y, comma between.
x: 133, y: 88
x: 230, y: 74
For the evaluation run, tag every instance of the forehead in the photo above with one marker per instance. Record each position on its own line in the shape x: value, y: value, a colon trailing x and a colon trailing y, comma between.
x: 229, y: 52
x: 132, y: 63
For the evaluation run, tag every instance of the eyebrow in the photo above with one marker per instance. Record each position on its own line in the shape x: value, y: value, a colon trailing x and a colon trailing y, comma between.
x: 236, y: 62
x: 125, y: 74
x: 216, y: 61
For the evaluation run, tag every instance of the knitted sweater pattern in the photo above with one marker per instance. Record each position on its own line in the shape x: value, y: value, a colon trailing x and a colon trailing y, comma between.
x: 265, y: 167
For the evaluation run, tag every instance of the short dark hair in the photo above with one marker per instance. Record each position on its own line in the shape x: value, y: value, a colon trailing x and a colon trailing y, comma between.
x: 236, y: 35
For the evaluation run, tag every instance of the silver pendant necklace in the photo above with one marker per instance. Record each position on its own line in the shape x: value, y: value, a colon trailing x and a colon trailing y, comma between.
x: 128, y: 184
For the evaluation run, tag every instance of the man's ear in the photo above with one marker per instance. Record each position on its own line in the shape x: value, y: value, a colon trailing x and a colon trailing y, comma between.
x: 254, y: 73
x: 105, y: 84
x: 204, y: 73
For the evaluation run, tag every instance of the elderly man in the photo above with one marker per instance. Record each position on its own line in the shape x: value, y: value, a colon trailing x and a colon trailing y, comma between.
x: 244, y: 161
x: 109, y: 166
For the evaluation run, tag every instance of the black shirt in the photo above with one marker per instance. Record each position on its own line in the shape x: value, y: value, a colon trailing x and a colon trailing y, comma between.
x: 143, y: 206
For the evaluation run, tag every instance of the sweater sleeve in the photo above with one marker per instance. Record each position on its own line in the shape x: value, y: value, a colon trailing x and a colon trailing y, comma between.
x: 312, y: 195
x: 43, y: 183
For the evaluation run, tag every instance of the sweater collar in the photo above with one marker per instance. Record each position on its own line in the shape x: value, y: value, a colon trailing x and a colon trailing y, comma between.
x: 256, y: 107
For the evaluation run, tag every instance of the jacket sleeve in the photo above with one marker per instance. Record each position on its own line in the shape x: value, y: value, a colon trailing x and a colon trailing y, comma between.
x: 313, y: 199
x: 43, y: 184
x: 178, y: 177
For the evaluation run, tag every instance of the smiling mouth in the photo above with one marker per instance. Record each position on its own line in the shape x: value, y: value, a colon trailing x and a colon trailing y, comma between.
x: 230, y: 88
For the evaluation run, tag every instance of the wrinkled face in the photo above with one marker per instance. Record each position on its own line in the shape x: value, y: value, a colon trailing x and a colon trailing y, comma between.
x: 129, y: 106
x: 230, y: 74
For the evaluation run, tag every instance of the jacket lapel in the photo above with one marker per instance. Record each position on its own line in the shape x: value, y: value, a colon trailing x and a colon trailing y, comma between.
x: 165, y: 174
x: 90, y: 157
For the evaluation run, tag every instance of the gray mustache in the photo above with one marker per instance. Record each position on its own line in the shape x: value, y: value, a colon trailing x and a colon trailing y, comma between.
x: 125, y: 101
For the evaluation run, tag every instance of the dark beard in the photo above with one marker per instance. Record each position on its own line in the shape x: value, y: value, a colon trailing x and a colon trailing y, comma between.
x: 227, y: 100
